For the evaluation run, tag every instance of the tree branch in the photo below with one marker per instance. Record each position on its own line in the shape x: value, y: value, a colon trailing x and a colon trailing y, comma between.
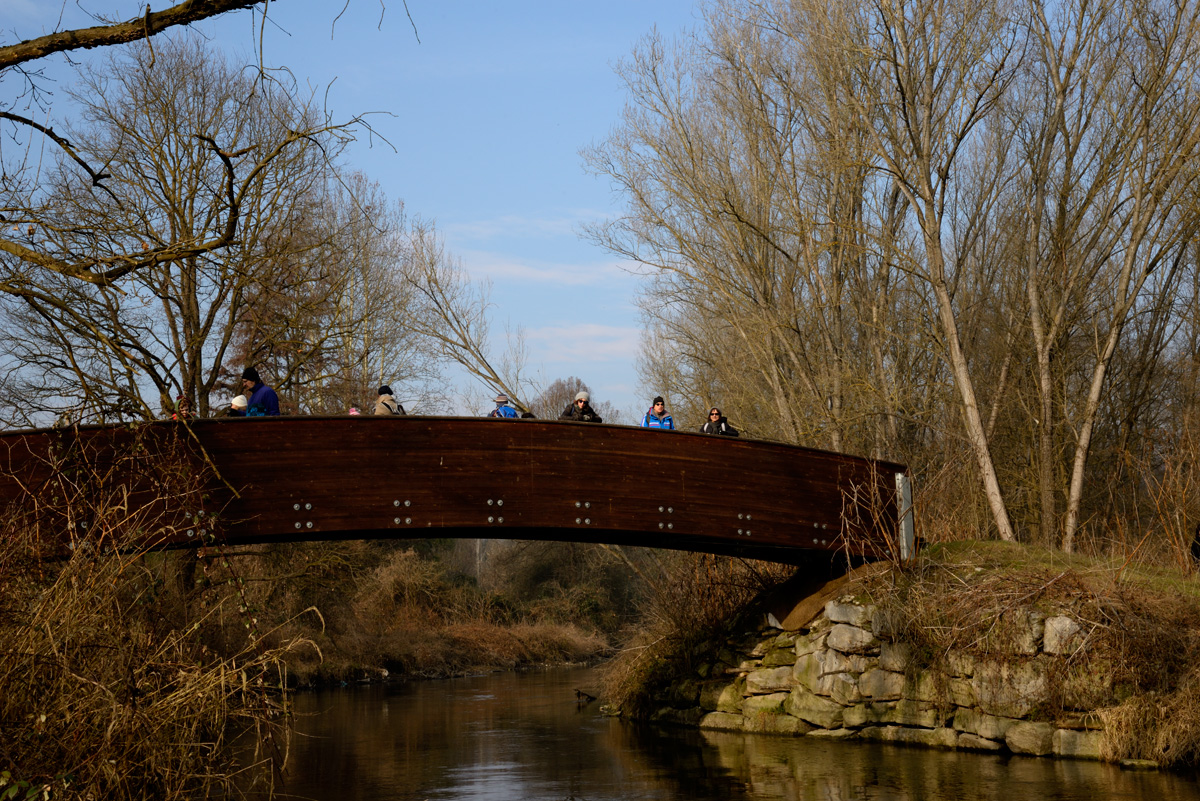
x: 142, y: 26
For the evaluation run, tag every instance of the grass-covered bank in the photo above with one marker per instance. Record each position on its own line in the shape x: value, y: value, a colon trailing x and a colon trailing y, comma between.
x: 1141, y: 632
x: 968, y: 620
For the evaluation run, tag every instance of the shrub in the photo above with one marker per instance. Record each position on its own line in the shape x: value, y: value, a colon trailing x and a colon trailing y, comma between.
x: 103, y: 695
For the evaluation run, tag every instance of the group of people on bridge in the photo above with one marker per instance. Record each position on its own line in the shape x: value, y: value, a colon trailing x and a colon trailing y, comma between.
x: 658, y: 417
x: 259, y: 400
x: 580, y: 410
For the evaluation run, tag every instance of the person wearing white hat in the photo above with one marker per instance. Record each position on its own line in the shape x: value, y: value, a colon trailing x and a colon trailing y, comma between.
x: 237, y: 407
x: 581, y: 410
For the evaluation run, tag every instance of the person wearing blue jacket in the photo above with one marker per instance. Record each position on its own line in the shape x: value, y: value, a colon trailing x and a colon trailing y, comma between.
x: 261, y: 399
x: 502, y: 408
x: 657, y: 417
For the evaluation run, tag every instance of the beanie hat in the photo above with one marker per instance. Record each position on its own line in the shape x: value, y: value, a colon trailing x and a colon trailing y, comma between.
x: 659, y: 399
x: 501, y: 398
x: 583, y: 396
x: 239, y: 402
x: 385, y: 390
x: 250, y: 374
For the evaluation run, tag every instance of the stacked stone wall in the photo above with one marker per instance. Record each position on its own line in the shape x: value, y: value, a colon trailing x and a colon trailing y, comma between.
x: 850, y: 676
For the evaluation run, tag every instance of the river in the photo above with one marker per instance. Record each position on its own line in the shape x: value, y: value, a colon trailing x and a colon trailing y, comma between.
x: 517, y: 736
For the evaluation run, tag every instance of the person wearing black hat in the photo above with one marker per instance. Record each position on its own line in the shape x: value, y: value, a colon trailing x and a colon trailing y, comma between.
x: 261, y: 400
x: 387, y: 402
x: 502, y: 408
x: 656, y: 416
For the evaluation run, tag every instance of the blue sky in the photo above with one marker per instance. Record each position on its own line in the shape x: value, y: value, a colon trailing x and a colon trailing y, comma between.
x: 487, y: 114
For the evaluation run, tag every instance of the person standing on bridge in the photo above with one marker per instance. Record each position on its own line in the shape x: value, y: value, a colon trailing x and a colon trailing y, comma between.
x: 656, y: 416
x: 387, y: 403
x: 261, y: 399
x: 581, y: 410
x: 183, y: 408
x: 237, y: 407
x: 502, y: 408
x: 717, y: 424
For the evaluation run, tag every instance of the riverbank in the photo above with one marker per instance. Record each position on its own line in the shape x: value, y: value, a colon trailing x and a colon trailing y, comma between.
x: 376, y: 611
x: 979, y: 646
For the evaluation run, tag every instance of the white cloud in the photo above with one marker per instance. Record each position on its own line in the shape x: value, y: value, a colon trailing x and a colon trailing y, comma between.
x: 585, y: 342
x: 515, y: 225
x: 481, y: 264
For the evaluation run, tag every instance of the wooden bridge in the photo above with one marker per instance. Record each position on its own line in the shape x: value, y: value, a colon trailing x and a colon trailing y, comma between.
x: 258, y: 480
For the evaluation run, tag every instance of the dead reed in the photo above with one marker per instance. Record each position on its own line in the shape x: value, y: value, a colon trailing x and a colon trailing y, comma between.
x: 407, y: 615
x: 692, y: 601
x: 105, y: 690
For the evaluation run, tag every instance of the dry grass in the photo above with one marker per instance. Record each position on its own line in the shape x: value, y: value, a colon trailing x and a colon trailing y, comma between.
x: 409, y: 617
x: 694, y: 600
x: 103, y: 695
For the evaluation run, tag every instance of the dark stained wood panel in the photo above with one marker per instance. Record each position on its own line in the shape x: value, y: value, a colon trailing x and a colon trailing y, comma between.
x: 417, y: 477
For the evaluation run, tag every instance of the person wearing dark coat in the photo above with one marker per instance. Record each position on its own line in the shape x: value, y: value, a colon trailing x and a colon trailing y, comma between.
x: 261, y: 399
x: 237, y: 407
x: 581, y: 410
x: 717, y: 424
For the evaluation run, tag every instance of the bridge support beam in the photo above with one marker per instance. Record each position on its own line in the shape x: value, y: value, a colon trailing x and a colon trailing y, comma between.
x: 908, y: 540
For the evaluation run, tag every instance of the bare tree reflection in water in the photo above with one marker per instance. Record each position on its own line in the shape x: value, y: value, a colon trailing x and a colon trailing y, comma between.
x: 518, y: 736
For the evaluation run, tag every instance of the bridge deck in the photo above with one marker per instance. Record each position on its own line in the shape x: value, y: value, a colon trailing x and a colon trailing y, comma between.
x: 415, y: 477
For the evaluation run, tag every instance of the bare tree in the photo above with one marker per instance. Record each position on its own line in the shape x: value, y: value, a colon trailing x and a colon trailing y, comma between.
x: 927, y: 231
x: 930, y: 74
x: 332, y: 321
x: 1159, y: 182
x: 561, y: 392
x: 27, y: 253
x: 20, y: 181
x: 774, y: 244
x: 112, y: 32
x: 720, y: 209
x: 451, y: 313
x: 1108, y: 204
x: 195, y: 150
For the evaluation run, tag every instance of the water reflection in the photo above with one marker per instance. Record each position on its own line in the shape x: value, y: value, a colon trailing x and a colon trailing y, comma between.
x: 524, y: 736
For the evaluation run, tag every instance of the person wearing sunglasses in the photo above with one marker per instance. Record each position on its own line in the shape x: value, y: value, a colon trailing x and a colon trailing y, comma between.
x: 717, y: 424
x: 580, y: 410
x: 656, y: 416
